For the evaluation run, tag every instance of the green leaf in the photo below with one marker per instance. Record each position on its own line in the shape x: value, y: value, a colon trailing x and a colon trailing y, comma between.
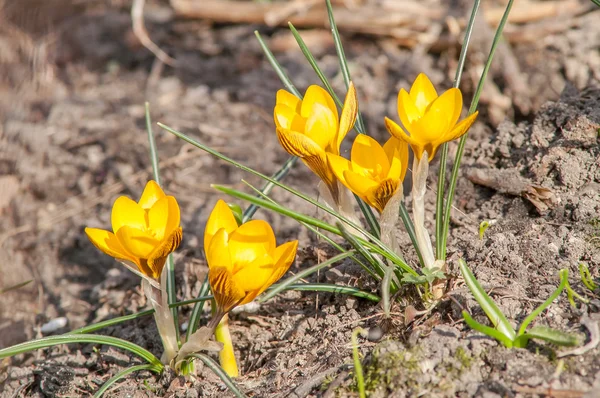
x: 277, y: 67
x: 302, y: 274
x: 15, y: 287
x: 45, y: 342
x: 377, y: 271
x: 194, y: 320
x: 553, y: 336
x: 410, y: 230
x: 586, y: 277
x: 217, y: 370
x: 358, y: 371
x: 237, y: 212
x: 488, y: 331
x: 487, y: 304
x: 564, y: 274
x: 122, y: 374
x: 482, y: 228
x: 332, y: 288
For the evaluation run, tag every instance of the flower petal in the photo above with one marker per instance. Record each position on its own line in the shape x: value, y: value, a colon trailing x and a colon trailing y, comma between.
x: 422, y: 92
x: 288, y: 99
x: 137, y: 242
x: 158, y: 216
x: 227, y: 294
x: 322, y: 126
x: 397, y: 152
x: 174, y: 218
x: 338, y: 165
x: 288, y: 118
x: 399, y: 133
x: 359, y: 184
x: 380, y: 196
x: 249, y: 242
x: 407, y: 110
x: 157, y: 258
x: 369, y: 155
x: 217, y: 252
x: 108, y: 243
x: 348, y: 118
x: 297, y: 144
x: 317, y: 95
x: 461, y: 128
x: 126, y: 212
x: 152, y: 193
x: 220, y: 217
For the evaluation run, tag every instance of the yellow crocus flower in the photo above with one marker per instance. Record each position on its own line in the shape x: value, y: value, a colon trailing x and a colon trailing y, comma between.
x: 429, y: 119
x: 145, y: 233
x: 310, y: 128
x: 373, y: 172
x: 243, y: 261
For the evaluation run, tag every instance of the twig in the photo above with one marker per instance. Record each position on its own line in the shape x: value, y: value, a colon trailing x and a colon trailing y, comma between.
x: 139, y: 29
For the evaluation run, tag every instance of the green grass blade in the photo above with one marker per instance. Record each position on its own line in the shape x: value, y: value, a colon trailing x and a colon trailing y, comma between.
x: 268, y: 187
x: 410, y: 230
x: 461, y: 145
x: 115, y: 321
x: 553, y: 336
x: 194, y: 320
x: 45, y: 342
x: 171, y: 288
x: 332, y: 288
x: 358, y: 371
x: 376, y: 271
x: 586, y: 277
x: 217, y: 370
x: 18, y: 286
x: 488, y: 305
x: 277, y: 67
x: 303, y: 274
x: 564, y: 275
x: 596, y: 2
x: 369, y: 217
x: 488, y: 331
x: 123, y: 373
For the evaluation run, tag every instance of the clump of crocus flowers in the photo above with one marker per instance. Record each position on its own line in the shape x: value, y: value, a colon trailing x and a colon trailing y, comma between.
x: 243, y: 261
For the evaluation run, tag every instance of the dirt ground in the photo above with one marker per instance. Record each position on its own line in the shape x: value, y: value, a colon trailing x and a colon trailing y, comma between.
x: 73, y: 138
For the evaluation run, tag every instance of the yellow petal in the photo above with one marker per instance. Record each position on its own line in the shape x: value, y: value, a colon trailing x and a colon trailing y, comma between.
x: 126, y: 212
x: 108, y: 243
x: 298, y: 144
x: 369, y: 155
x: 137, y: 242
x: 447, y: 106
x: 432, y: 126
x: 322, y: 126
x: 157, y: 258
x: 220, y: 217
x: 255, y: 275
x: 359, y: 184
x: 422, y: 92
x: 349, y: 113
x: 398, y: 132
x: 152, y: 193
x: 288, y: 99
x: 338, y: 165
x: 217, y: 252
x: 397, y: 152
x: 461, y: 128
x: 226, y: 293
x: 379, y: 196
x: 288, y: 118
x: 174, y: 218
x: 407, y: 110
x: 317, y: 95
x: 249, y: 242
x: 158, y: 216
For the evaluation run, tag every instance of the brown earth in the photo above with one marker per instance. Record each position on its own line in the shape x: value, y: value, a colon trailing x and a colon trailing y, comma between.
x: 73, y: 138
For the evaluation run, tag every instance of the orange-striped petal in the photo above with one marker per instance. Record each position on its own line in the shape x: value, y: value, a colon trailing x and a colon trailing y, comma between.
x: 227, y: 294
x: 298, y: 144
x: 348, y: 118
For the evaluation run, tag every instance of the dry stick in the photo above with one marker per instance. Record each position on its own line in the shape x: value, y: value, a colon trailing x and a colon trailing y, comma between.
x: 139, y: 29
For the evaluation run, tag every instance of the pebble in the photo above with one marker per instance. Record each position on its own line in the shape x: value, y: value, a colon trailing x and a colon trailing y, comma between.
x: 54, y: 324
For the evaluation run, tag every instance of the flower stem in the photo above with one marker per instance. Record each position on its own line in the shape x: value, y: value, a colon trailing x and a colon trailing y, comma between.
x: 227, y: 354
x: 420, y: 171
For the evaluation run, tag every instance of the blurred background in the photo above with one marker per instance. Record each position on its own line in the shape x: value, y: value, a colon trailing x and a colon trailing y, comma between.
x: 74, y: 75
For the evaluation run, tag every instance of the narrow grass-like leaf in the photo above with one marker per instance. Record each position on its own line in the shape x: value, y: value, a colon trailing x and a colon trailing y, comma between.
x: 564, y: 275
x: 194, y: 320
x: 586, y: 277
x: 15, y: 287
x: 217, y: 370
x: 115, y: 321
x: 596, y: 2
x: 377, y: 271
x: 302, y: 274
x: 332, y: 288
x: 553, y: 336
x: 277, y: 67
x: 410, y: 230
x: 268, y: 187
x: 171, y: 288
x: 122, y: 374
x: 461, y: 145
x: 488, y: 305
x: 45, y: 342
x: 488, y: 331
x: 358, y: 371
